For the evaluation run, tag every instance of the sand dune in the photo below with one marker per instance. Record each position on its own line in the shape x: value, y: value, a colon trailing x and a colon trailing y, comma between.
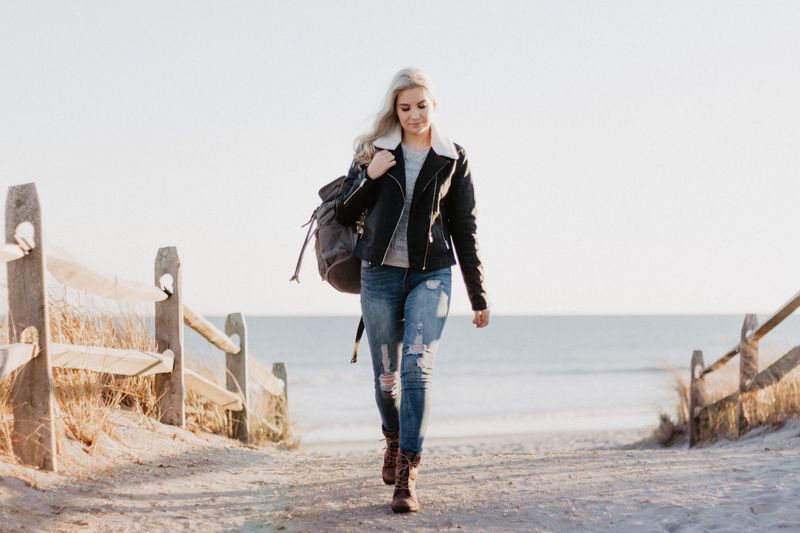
x: 168, y: 479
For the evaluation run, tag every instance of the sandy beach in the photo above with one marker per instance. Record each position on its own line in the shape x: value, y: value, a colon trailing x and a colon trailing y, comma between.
x: 162, y: 478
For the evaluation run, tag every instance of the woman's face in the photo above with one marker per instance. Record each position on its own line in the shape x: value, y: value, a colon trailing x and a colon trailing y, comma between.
x: 413, y: 107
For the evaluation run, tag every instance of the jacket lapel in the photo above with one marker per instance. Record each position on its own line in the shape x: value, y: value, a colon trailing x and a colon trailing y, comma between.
x: 433, y: 164
x: 398, y: 171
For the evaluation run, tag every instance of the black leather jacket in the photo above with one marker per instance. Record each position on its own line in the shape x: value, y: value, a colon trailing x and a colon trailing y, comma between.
x: 442, y: 211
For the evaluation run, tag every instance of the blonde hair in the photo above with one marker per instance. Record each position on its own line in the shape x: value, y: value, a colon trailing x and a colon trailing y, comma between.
x: 386, y: 119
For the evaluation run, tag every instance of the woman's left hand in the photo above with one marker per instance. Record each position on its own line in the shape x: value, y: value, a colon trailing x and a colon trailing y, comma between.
x: 481, y: 319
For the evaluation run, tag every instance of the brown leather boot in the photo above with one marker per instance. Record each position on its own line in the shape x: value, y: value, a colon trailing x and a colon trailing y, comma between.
x: 405, y: 485
x: 390, y: 455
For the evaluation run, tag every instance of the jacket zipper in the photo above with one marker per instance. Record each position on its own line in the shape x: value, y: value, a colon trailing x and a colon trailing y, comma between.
x: 398, y: 218
x: 430, y: 223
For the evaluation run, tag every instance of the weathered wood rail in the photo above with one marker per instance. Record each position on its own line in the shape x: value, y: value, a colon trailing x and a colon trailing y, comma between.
x: 750, y: 379
x: 31, y: 355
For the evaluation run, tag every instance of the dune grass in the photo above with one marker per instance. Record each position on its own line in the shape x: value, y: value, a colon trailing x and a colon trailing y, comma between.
x: 85, y: 399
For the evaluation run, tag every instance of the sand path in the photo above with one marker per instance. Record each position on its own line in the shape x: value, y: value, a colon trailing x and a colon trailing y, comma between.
x: 537, y: 483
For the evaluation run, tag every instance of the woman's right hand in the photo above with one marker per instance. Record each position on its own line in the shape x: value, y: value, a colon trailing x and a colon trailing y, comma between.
x: 381, y: 162
x: 481, y: 319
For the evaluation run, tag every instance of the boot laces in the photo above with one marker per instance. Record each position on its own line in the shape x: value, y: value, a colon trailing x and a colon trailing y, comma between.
x: 403, y: 475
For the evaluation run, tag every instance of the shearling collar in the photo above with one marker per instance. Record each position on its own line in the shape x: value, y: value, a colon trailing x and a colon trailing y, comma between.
x: 440, y: 143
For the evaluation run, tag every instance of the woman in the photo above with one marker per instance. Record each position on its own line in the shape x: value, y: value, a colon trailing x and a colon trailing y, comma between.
x: 409, y: 190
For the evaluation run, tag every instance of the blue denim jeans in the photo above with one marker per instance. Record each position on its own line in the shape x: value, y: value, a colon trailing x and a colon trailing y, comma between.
x: 404, y: 314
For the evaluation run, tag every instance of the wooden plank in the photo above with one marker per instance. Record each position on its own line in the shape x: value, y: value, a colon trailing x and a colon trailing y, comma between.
x: 696, y: 396
x: 208, y: 331
x: 722, y: 360
x: 10, y: 252
x: 110, y: 360
x: 34, y: 435
x: 170, y: 388
x: 72, y: 273
x: 777, y: 370
x: 13, y: 356
x: 263, y: 378
x: 208, y: 389
x: 236, y: 375
x: 748, y: 369
x: 777, y: 317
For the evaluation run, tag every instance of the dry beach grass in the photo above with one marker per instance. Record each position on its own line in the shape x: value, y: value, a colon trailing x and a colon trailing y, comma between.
x: 88, y: 402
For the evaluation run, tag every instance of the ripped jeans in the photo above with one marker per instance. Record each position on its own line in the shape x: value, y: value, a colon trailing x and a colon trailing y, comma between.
x: 404, y: 314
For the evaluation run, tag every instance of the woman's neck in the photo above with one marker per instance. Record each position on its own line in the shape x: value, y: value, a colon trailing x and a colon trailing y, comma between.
x: 421, y: 141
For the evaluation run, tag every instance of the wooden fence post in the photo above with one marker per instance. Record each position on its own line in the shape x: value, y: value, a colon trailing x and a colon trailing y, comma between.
x: 170, y: 388
x: 697, y: 392
x: 34, y: 435
x: 279, y: 371
x: 236, y: 378
x: 748, y: 369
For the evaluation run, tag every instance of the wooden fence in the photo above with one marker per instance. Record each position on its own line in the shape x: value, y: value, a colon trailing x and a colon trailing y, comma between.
x: 750, y: 379
x: 31, y: 354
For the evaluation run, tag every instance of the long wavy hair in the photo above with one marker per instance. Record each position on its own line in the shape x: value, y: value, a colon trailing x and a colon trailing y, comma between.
x: 386, y: 119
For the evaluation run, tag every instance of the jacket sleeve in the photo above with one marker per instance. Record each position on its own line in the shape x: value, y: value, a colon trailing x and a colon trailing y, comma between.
x: 461, y: 213
x: 356, y: 194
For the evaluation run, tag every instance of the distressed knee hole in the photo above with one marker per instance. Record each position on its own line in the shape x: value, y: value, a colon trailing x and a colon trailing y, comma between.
x: 433, y: 283
x: 422, y: 356
x: 420, y: 366
x: 388, y: 381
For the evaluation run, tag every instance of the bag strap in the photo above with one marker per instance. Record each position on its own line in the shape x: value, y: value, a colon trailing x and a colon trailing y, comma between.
x: 310, y: 225
x: 359, y: 333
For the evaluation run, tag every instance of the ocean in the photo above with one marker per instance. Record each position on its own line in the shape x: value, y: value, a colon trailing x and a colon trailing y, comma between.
x: 522, y: 374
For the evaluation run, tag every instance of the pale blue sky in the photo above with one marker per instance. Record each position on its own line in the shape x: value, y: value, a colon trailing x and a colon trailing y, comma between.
x: 629, y: 157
